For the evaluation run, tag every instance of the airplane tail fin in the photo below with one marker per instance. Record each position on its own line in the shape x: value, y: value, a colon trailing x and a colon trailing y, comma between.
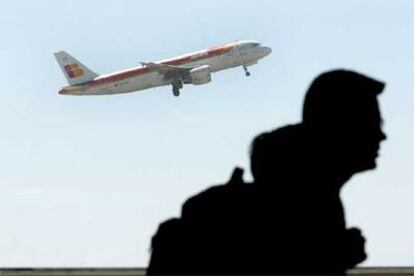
x: 74, y: 71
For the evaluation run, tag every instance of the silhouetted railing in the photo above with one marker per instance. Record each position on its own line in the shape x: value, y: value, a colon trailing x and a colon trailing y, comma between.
x: 380, y: 271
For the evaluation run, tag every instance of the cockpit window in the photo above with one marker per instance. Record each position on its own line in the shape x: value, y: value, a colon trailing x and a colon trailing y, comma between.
x: 255, y: 44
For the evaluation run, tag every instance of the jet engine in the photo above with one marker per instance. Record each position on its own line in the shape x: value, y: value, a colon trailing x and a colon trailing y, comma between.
x: 199, y: 75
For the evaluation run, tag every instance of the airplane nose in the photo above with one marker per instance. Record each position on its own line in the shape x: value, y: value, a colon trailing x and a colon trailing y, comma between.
x: 266, y: 50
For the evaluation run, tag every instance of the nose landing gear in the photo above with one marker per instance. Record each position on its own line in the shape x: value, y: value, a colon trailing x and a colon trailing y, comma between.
x: 246, y: 71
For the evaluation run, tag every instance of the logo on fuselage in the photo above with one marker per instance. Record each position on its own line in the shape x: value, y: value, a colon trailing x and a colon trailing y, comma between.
x: 73, y: 70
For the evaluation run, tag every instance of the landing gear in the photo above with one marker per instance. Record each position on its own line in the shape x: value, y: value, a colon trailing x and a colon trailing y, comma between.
x: 176, y: 91
x: 176, y: 88
x: 246, y: 71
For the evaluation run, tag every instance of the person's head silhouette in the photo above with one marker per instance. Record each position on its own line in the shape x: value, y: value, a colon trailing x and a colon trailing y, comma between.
x: 342, y: 105
x: 340, y: 132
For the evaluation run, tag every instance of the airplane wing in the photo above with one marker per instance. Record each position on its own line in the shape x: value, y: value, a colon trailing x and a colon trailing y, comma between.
x: 168, y: 71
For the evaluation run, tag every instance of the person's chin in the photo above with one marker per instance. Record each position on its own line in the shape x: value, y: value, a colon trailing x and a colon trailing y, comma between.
x: 369, y: 165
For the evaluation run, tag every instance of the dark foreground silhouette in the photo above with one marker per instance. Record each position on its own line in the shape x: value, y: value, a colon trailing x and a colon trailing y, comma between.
x: 291, y: 219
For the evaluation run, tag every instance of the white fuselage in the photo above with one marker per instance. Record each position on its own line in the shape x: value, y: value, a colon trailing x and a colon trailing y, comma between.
x: 241, y: 53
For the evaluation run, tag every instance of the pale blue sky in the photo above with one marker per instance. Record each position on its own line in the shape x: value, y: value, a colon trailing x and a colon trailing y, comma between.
x: 84, y: 181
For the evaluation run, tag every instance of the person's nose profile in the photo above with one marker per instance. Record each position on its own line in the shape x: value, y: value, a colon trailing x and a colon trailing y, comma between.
x: 383, y: 136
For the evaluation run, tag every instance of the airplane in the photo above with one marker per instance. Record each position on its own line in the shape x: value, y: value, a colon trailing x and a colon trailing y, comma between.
x: 194, y: 68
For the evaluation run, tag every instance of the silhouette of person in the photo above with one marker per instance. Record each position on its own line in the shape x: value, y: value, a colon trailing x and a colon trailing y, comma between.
x: 308, y: 163
x: 291, y: 219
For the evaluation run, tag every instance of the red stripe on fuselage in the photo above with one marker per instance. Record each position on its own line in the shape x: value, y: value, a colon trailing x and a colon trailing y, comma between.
x: 216, y: 51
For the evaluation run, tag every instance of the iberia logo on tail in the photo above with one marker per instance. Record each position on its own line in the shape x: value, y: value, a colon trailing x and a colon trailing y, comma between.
x: 73, y: 70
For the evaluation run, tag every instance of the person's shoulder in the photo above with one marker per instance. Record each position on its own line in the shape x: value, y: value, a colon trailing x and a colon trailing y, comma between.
x: 214, y: 199
x: 207, y: 201
x: 289, y: 130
